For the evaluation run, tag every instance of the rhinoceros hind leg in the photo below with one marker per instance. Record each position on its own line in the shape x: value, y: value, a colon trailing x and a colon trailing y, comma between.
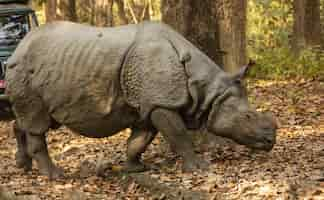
x: 136, y: 145
x: 172, y: 127
x: 37, y: 149
x: 23, y: 160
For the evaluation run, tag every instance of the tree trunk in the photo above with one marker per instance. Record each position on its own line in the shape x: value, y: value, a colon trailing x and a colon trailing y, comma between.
x: 307, y: 24
x: 146, y: 15
x: 231, y: 18
x: 299, y: 28
x: 103, y: 13
x: 313, y: 23
x: 176, y: 13
x: 67, y: 10
x: 73, y: 10
x: 213, y: 26
x: 50, y: 10
x: 121, y: 12
x: 322, y: 23
x: 195, y: 21
x: 84, y: 11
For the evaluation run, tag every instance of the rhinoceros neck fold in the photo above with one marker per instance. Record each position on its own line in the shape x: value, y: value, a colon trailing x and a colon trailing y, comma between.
x: 206, y: 82
x: 204, y: 94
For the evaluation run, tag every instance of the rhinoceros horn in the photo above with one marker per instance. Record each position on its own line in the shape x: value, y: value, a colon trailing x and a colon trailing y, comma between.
x: 243, y: 71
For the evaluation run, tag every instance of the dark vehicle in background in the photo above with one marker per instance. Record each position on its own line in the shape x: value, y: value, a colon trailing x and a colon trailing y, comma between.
x: 16, y: 20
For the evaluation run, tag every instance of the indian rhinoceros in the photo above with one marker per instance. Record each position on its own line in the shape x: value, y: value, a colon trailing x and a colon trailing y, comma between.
x: 147, y: 77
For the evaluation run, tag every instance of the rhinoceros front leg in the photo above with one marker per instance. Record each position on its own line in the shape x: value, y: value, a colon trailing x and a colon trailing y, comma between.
x: 23, y: 160
x: 37, y: 149
x: 136, y: 145
x: 171, y: 125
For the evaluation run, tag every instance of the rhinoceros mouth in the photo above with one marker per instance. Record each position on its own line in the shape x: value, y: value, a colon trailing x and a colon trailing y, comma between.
x: 264, y: 143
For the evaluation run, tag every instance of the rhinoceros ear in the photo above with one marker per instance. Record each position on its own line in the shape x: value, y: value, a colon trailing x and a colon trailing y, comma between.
x: 243, y: 71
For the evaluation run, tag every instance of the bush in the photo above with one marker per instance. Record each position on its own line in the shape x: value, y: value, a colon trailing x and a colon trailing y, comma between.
x: 269, y: 42
x: 281, y: 62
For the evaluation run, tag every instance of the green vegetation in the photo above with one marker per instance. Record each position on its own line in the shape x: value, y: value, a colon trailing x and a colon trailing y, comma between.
x: 270, y: 39
x: 281, y: 62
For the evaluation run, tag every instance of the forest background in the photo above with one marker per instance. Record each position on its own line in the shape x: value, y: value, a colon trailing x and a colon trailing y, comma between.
x: 284, y: 37
x: 286, y: 40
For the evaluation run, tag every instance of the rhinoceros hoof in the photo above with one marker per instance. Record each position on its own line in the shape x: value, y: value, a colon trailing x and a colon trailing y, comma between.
x: 134, y: 167
x: 53, y: 173
x: 191, y: 165
x: 23, y: 161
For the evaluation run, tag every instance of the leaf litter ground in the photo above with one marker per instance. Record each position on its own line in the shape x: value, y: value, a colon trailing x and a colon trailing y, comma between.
x: 294, y: 169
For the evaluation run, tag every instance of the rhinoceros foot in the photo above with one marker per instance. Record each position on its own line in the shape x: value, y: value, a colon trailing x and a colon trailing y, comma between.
x: 134, y: 167
x: 194, y: 164
x: 53, y: 172
x: 23, y: 161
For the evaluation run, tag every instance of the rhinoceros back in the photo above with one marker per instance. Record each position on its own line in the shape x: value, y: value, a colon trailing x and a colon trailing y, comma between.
x: 73, y: 68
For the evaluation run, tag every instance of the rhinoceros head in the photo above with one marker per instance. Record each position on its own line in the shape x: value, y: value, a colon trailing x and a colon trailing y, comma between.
x: 231, y: 116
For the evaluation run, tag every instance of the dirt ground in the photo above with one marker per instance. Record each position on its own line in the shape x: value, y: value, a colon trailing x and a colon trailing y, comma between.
x: 294, y: 169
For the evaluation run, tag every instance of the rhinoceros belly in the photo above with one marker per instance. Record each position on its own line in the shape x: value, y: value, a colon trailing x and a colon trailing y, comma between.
x: 94, y: 124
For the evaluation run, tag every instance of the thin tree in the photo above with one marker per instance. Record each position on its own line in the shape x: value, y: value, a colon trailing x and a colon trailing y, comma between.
x: 67, y: 10
x: 307, y: 24
x: 104, y: 12
x: 231, y: 18
x: 50, y: 10
x: 121, y: 12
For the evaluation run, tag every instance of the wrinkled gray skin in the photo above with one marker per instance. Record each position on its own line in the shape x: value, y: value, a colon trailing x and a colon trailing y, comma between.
x: 99, y: 81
